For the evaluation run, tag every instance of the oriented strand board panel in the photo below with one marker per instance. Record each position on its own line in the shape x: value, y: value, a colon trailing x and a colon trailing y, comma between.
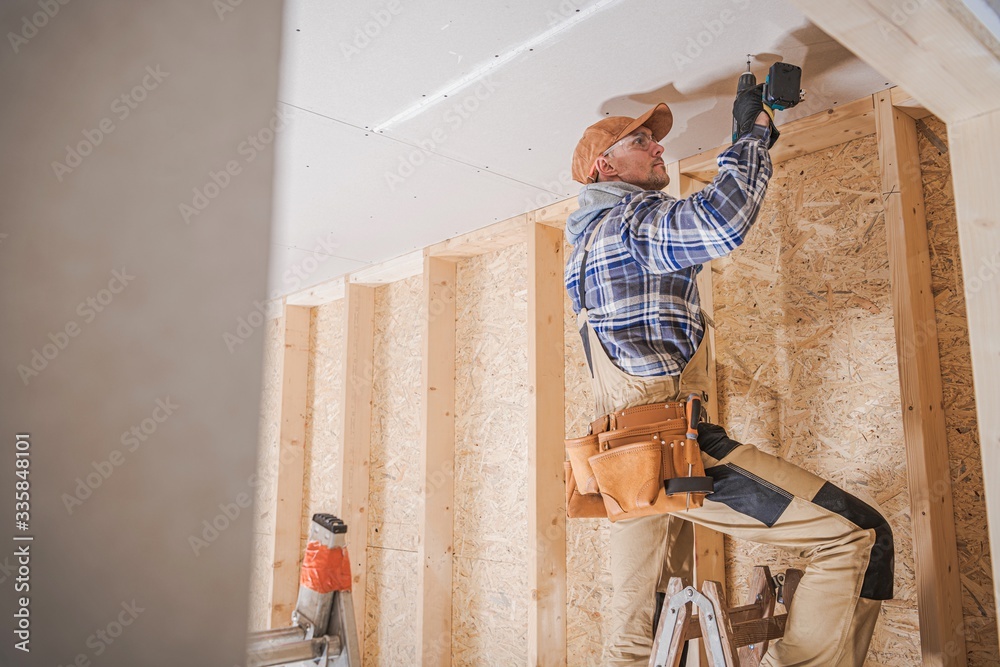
x: 490, y: 598
x: 807, y: 358
x: 978, y: 604
x: 390, y: 608
x: 324, y: 427
x: 262, y: 561
x: 588, y: 541
x: 394, y: 484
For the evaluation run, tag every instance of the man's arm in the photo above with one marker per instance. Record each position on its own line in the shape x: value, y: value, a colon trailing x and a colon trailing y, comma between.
x: 667, y: 235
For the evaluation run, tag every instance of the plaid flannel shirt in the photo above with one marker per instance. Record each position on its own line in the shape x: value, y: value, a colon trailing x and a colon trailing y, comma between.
x: 640, y: 290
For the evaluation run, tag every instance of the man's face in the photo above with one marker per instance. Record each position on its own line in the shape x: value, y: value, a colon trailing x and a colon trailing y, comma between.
x: 636, y: 160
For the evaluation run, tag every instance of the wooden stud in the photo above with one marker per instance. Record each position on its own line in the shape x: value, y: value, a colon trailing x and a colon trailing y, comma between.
x: 974, y: 166
x: 939, y: 591
x: 546, y: 497
x: 435, y: 546
x: 291, y: 465
x: 317, y: 295
x: 358, y: 351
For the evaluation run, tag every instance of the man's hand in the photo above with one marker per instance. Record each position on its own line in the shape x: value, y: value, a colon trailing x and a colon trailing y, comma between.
x: 749, y: 109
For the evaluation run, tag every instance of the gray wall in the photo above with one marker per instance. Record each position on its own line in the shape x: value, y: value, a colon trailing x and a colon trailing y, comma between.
x: 101, y: 273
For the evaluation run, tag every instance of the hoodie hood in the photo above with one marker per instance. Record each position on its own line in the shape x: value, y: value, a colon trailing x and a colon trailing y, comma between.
x: 596, y: 199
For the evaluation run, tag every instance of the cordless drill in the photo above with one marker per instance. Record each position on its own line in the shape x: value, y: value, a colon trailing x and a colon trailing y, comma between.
x: 781, y: 87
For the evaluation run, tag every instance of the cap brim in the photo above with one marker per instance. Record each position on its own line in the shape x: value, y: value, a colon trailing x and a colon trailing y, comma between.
x: 659, y: 120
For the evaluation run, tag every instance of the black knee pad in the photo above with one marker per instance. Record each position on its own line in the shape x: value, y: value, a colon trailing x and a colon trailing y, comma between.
x: 713, y: 441
x: 877, y: 583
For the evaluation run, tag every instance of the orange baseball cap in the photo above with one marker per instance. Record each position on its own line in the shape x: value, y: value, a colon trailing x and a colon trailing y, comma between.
x: 603, y: 134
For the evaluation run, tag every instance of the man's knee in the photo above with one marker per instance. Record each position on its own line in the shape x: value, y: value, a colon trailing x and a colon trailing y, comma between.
x: 878, y: 577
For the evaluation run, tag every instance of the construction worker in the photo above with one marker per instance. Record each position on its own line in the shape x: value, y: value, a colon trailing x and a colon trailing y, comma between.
x: 646, y: 339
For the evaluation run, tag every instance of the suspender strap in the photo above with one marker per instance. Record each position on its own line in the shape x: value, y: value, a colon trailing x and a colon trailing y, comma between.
x: 583, y: 263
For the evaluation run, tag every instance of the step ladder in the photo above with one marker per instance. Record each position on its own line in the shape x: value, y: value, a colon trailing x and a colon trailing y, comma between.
x: 323, y: 632
x: 733, y: 637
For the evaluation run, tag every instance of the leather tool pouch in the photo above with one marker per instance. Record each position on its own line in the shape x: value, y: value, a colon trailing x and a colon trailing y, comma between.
x: 635, y: 471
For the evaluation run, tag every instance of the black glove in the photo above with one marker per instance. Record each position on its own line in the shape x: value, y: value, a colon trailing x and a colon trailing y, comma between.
x: 747, y: 107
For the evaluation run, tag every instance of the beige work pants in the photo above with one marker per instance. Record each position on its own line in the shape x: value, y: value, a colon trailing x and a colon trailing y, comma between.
x: 760, y: 498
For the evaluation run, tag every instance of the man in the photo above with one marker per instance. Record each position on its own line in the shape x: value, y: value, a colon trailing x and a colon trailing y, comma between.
x: 644, y: 334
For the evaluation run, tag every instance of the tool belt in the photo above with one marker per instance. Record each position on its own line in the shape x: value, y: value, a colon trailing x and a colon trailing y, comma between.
x: 637, y: 462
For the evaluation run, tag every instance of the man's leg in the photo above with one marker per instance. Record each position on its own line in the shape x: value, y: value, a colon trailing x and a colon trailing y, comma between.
x: 762, y: 498
x: 645, y: 553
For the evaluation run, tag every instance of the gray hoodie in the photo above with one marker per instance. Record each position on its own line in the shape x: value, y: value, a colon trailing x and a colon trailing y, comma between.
x: 595, y: 201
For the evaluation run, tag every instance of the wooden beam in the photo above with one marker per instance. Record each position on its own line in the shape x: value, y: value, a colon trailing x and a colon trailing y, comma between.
x: 974, y: 166
x: 546, y: 496
x: 358, y: 353
x: 488, y: 239
x: 318, y: 295
x: 291, y: 466
x: 435, y: 547
x: 558, y: 212
x: 936, y: 49
x: 905, y: 102
x: 939, y: 591
x: 397, y: 268
x: 799, y: 137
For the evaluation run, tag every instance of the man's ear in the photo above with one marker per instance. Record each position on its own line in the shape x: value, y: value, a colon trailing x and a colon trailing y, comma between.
x: 604, y: 168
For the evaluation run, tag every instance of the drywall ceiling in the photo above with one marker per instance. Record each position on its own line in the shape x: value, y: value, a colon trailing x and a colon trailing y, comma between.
x: 410, y: 123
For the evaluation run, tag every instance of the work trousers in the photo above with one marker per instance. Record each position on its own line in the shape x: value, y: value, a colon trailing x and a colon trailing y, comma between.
x: 760, y: 498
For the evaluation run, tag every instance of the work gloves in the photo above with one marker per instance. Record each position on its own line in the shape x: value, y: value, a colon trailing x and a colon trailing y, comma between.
x: 747, y: 107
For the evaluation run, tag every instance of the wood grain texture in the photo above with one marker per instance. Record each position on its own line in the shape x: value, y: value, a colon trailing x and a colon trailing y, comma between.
x: 291, y: 460
x: 546, y: 497
x: 974, y: 164
x: 939, y: 596
x: 359, y: 307
x: 932, y: 48
x: 435, y: 545
x: 975, y: 560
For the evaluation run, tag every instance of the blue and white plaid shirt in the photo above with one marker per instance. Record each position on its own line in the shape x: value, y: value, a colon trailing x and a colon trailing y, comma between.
x: 641, y: 295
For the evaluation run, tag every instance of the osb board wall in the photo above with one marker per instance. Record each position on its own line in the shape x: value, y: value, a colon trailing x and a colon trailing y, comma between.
x: 390, y: 610
x: 490, y: 586
x: 588, y: 541
x: 262, y: 560
x: 807, y: 358
x: 978, y: 604
x: 322, y: 476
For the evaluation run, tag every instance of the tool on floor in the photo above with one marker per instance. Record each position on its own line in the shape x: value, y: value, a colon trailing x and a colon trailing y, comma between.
x: 323, y: 632
x: 733, y: 637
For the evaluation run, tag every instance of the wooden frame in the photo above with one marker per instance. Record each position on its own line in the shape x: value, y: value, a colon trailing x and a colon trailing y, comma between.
x: 435, y: 547
x: 358, y: 351
x: 291, y: 464
x: 939, y: 590
x: 546, y: 498
x: 950, y: 62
